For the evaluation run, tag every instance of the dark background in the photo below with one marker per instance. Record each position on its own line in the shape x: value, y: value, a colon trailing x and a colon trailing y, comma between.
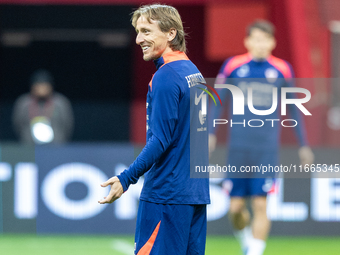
x: 96, y: 79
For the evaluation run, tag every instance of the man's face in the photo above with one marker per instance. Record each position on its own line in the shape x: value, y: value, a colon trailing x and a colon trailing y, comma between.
x: 259, y: 43
x: 153, y: 41
x: 42, y: 89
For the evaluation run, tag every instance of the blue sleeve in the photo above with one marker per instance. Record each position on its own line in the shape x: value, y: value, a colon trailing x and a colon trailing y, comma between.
x: 165, y: 104
x: 295, y: 113
x: 216, y: 110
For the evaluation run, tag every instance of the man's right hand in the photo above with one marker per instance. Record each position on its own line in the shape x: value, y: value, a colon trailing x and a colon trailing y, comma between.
x: 115, y: 192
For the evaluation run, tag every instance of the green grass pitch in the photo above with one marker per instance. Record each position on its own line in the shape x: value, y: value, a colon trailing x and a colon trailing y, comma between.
x: 123, y: 245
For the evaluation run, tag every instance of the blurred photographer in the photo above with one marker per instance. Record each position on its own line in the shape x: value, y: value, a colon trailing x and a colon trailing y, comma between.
x: 43, y: 115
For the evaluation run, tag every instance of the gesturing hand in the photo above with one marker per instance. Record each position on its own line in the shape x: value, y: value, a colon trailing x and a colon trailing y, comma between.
x: 115, y: 192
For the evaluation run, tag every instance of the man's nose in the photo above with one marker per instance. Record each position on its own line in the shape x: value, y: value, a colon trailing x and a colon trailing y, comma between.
x: 139, y: 38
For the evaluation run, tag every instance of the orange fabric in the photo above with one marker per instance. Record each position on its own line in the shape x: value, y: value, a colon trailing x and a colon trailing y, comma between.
x: 236, y: 62
x: 174, y: 56
x: 146, y: 249
x: 281, y: 65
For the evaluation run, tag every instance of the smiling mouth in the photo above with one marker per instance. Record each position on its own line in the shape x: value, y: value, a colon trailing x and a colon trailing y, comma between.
x: 145, y: 48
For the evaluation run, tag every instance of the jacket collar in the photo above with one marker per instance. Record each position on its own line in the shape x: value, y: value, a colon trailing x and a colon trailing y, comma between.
x: 170, y: 57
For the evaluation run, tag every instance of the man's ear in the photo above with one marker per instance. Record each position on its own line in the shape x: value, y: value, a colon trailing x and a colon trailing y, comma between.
x: 274, y: 44
x: 172, y: 34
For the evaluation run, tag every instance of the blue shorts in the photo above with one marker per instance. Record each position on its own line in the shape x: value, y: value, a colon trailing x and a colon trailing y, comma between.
x: 242, y: 184
x: 170, y: 229
x: 245, y: 187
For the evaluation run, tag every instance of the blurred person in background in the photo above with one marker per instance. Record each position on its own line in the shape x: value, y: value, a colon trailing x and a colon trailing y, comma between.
x: 43, y: 115
x: 255, y: 146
